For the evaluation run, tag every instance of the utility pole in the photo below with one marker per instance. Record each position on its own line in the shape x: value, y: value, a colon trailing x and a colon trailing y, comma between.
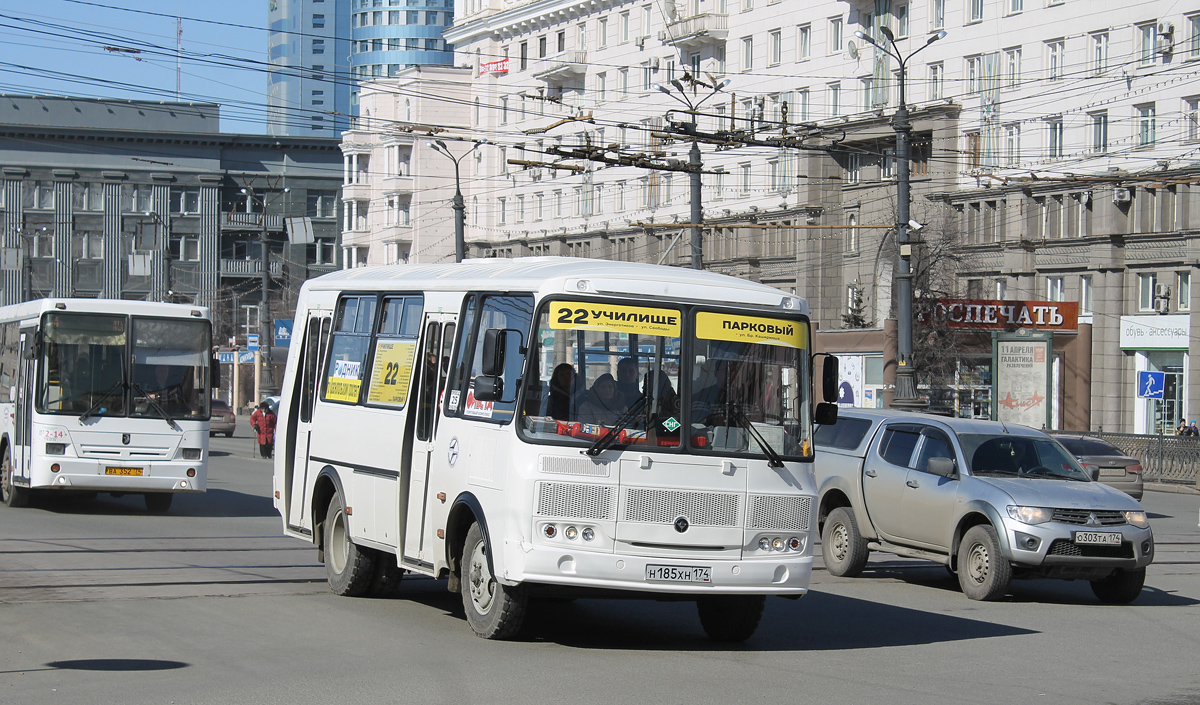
x: 906, y: 382
x: 460, y: 208
x: 264, y: 323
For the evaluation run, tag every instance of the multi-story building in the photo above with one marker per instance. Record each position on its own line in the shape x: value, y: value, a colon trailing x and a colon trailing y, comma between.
x: 149, y: 200
x: 1053, y: 160
x: 320, y: 49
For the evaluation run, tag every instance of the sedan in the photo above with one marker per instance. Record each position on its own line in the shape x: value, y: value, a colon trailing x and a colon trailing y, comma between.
x: 223, y: 419
x: 1106, y: 462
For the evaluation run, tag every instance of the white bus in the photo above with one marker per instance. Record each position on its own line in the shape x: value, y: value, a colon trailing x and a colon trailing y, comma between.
x: 553, y: 427
x: 104, y: 396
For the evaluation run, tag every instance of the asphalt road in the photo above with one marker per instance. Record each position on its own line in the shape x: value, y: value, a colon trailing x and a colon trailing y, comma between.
x: 103, y: 603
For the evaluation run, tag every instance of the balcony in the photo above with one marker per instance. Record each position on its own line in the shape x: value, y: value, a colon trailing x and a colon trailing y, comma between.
x: 561, y: 66
x: 357, y: 192
x: 248, y: 268
x: 398, y: 184
x: 708, y: 28
x: 251, y: 221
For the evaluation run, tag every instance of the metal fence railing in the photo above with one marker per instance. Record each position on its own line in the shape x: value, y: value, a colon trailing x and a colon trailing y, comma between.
x: 1173, y: 459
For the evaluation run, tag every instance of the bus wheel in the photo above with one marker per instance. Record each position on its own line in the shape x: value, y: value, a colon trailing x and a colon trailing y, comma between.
x: 348, y: 568
x: 385, y: 581
x: 158, y: 502
x: 12, y: 495
x: 494, y: 611
x: 731, y: 618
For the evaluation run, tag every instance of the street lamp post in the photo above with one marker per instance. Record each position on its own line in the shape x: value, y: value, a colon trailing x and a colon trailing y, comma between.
x: 265, y: 281
x: 906, y: 383
x: 460, y: 208
x: 160, y: 258
x: 697, y: 214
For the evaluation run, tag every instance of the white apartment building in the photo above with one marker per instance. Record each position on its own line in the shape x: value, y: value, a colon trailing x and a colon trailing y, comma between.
x: 1055, y: 149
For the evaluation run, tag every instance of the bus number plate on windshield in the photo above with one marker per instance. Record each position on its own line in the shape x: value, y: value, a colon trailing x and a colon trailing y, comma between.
x: 1104, y: 538
x: 678, y: 574
x: 123, y: 471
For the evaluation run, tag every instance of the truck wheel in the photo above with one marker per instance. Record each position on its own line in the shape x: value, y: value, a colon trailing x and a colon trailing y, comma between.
x: 494, y: 611
x: 158, y: 502
x: 731, y: 618
x: 348, y: 568
x: 12, y: 495
x: 983, y: 571
x: 842, y: 546
x: 385, y: 581
x: 1120, y: 588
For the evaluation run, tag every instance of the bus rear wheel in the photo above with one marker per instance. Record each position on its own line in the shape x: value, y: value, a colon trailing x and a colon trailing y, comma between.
x: 494, y: 611
x: 731, y: 618
x: 158, y: 502
x: 348, y: 567
x: 12, y: 495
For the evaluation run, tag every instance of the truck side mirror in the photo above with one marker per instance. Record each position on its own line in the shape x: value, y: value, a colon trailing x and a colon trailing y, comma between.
x: 941, y: 466
x: 829, y: 378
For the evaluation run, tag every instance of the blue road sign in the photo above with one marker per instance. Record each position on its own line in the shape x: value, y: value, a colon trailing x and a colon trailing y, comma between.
x: 1151, y: 384
x: 283, y: 332
x: 225, y: 358
x: 252, y: 342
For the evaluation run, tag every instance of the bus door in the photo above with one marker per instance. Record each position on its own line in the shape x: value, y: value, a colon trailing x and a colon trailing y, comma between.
x: 23, y: 406
x: 437, y: 347
x: 316, y: 335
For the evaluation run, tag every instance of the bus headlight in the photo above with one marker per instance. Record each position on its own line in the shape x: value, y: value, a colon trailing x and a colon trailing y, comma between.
x: 588, y: 533
x: 56, y: 449
x: 571, y: 533
x: 550, y: 531
x: 764, y: 544
x: 191, y: 453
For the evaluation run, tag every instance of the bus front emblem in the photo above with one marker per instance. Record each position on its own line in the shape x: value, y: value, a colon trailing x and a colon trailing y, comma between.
x: 681, y: 524
x: 452, y: 451
x: 125, y: 438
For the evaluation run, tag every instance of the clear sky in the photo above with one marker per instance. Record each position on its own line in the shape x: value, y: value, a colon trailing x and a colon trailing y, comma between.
x: 127, y: 49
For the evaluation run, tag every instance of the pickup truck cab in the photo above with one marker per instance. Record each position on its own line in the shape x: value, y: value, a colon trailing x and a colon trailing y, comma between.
x: 991, y: 501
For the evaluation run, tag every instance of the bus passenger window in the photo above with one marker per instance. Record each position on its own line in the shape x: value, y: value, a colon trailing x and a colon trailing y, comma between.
x: 504, y: 312
x: 344, y: 374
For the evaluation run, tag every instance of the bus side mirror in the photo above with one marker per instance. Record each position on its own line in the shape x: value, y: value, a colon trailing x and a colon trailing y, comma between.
x: 493, y: 353
x: 826, y: 414
x: 33, y: 351
x: 214, y: 374
x: 488, y: 388
x: 829, y: 378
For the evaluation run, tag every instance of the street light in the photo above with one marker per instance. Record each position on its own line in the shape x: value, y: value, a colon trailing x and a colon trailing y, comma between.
x: 264, y: 330
x: 160, y: 258
x: 460, y: 208
x: 697, y: 215
x: 906, y: 386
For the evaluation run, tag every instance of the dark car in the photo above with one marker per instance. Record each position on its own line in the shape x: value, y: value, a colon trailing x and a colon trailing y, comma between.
x: 223, y: 419
x: 1113, y: 466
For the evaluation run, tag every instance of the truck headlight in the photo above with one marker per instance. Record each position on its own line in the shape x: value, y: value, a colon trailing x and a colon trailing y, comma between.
x: 1031, y: 515
x: 1137, y: 519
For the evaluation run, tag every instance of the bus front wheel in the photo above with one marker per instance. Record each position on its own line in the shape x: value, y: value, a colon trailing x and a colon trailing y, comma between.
x: 348, y: 567
x: 158, y: 502
x: 494, y: 611
x: 731, y: 618
x: 12, y: 495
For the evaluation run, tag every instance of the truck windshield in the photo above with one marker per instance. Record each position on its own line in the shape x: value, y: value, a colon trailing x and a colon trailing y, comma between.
x: 1019, y: 456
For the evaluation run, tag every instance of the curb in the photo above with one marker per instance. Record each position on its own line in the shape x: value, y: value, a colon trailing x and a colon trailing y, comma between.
x: 1166, y: 487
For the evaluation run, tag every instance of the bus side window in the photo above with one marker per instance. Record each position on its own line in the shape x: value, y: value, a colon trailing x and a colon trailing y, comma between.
x: 429, y: 373
x: 348, y: 351
x: 312, y: 347
x: 505, y: 312
x: 455, y: 383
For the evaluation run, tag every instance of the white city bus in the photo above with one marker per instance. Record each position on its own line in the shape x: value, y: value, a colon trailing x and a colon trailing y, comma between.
x: 553, y: 426
x: 104, y: 396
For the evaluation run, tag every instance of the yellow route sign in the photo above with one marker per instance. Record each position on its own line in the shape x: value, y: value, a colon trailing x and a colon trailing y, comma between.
x: 391, y: 372
x: 577, y: 315
x: 751, y: 329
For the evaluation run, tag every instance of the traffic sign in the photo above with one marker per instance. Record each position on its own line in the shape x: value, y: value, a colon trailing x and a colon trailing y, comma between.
x: 1151, y: 384
x: 283, y: 332
x: 252, y: 342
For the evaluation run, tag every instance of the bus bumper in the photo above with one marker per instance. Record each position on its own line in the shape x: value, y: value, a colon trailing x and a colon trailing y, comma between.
x: 757, y: 576
x: 88, y: 476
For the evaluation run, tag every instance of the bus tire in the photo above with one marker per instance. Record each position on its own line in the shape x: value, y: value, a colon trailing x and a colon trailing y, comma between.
x: 12, y: 495
x: 494, y: 611
x: 731, y: 618
x: 385, y: 581
x: 158, y: 502
x: 348, y: 567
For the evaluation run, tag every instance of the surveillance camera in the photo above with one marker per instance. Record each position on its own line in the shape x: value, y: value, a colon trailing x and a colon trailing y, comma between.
x: 914, y: 225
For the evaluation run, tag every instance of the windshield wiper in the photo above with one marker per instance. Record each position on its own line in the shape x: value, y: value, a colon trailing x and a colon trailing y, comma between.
x: 96, y: 407
x: 773, y: 459
x: 154, y: 403
x: 602, y: 443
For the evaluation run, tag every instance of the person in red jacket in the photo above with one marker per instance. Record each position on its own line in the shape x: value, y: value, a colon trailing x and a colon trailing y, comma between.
x: 263, y: 422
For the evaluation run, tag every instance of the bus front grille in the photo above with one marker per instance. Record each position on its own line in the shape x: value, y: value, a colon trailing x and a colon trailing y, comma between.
x: 779, y: 512
x: 665, y: 506
x: 575, y: 501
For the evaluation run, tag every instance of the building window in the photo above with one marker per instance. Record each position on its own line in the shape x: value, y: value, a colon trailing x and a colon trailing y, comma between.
x: 835, y: 35
x: 973, y: 152
x: 776, y: 47
x: 834, y: 96
x: 974, y: 288
x: 1191, y: 119
x: 976, y: 10
x: 624, y: 26
x: 1146, y: 284
x: 1055, y: 53
x: 747, y: 53
x: 900, y: 12
x: 852, y: 233
x: 853, y: 167
x: 1194, y: 38
x: 974, y: 73
x: 936, y: 72
x: 1054, y: 289
x: 1012, y: 67
x: 937, y: 14
x: 1086, y: 296
x: 1099, y: 53
x: 1145, y: 124
x: 1054, y: 138
x: 1099, y: 131
x: 1148, y: 42
x: 318, y: 46
x: 1012, y: 143
x: 803, y: 41
x: 1015, y: 6
x: 1001, y: 290
x: 800, y: 110
x: 602, y: 33
x: 185, y: 200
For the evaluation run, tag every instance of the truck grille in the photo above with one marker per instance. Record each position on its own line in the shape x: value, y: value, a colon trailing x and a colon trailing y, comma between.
x: 1083, y: 516
x: 779, y: 513
x: 1064, y: 547
x: 664, y: 506
x: 575, y: 501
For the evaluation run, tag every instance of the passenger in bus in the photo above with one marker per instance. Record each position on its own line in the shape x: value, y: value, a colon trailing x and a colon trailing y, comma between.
x: 603, y: 403
x: 627, y: 379
x: 562, y: 391
x: 708, y: 399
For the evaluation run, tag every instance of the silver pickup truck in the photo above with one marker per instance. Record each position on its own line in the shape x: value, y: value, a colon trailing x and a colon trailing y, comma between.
x: 991, y: 501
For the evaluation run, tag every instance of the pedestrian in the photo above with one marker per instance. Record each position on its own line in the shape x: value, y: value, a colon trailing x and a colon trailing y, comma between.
x: 1195, y: 431
x: 1183, y: 429
x: 263, y: 423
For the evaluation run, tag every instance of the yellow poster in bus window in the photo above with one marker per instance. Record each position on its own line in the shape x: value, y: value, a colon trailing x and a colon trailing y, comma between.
x: 751, y: 329
x: 391, y: 372
x: 343, y: 382
x: 578, y: 315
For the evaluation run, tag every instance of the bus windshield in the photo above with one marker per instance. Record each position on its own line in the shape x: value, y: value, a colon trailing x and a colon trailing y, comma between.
x: 611, y: 374
x: 112, y: 365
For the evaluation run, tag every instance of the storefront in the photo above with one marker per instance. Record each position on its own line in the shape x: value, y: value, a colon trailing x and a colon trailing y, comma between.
x: 1158, y: 344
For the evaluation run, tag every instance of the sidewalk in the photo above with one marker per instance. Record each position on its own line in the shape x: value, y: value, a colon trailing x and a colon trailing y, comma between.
x: 1169, y: 487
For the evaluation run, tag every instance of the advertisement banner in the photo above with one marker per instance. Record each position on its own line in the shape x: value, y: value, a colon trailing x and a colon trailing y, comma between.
x: 1022, y: 365
x: 985, y: 314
